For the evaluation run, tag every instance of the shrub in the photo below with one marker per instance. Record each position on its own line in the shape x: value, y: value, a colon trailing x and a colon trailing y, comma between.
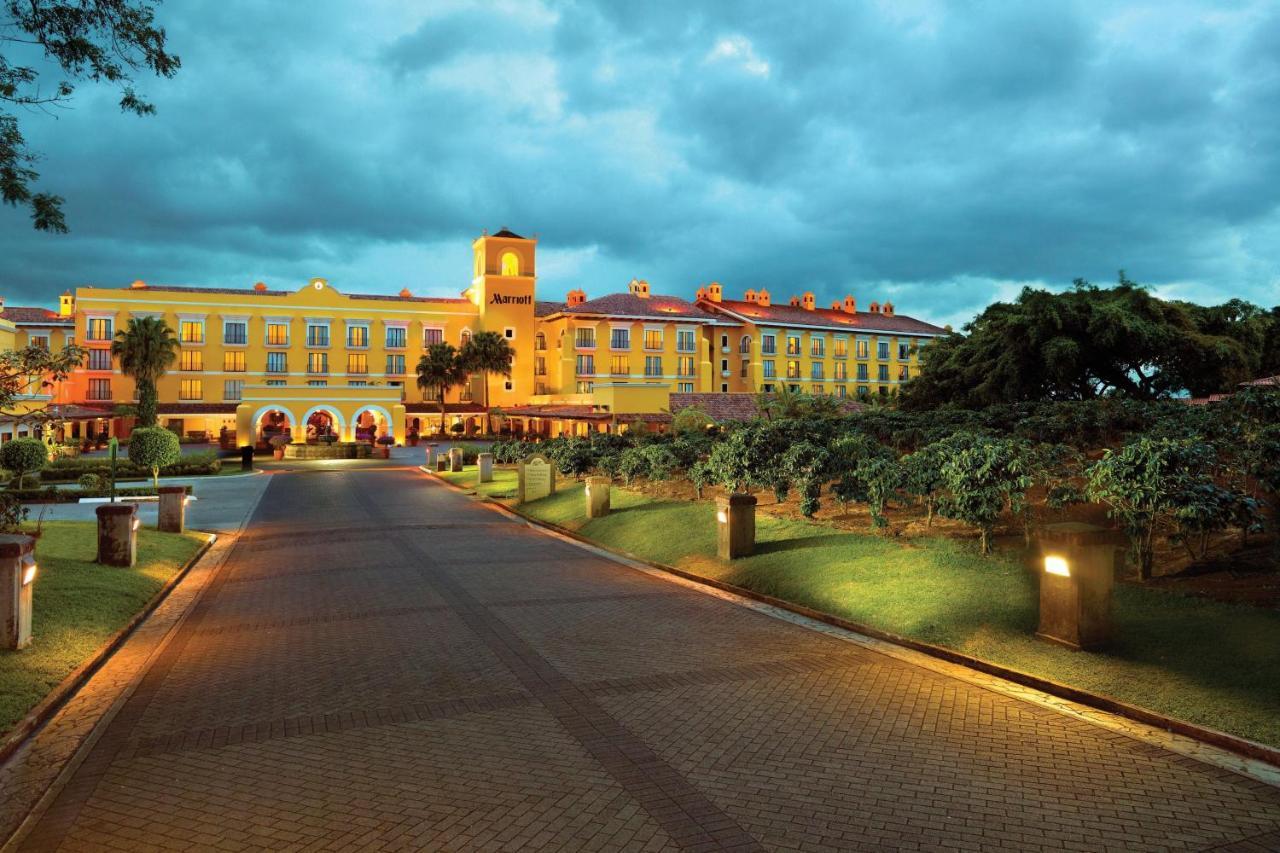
x: 660, y: 461
x: 983, y: 476
x: 154, y: 448
x: 386, y: 440
x: 90, y: 483
x: 12, y: 513
x: 632, y: 463
x: 68, y: 470
x: 458, y: 429
x: 276, y: 442
x: 22, y: 456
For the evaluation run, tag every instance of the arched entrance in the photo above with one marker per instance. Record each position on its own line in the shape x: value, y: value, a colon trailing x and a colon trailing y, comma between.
x: 372, y: 422
x: 272, y: 421
x: 321, y: 421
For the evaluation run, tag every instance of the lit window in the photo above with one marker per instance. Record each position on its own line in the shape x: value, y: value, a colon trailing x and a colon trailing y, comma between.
x: 862, y: 348
x: 793, y: 370
x: 191, y: 360
x: 793, y: 345
x: 278, y: 334
x: 191, y: 389
x: 317, y: 335
x: 357, y: 362
x: 317, y: 362
x: 191, y: 331
x: 652, y: 339
x: 817, y: 347
x: 395, y: 365
x: 539, y: 365
x: 540, y: 341
x: 619, y: 365
x: 684, y: 365
x: 510, y: 263
x: 233, y: 362
x: 817, y: 389
x: 358, y: 336
x: 653, y: 365
x: 584, y: 387
x: 99, y: 329
x: 40, y: 341
x: 841, y: 371
x: 840, y: 348
x: 904, y: 373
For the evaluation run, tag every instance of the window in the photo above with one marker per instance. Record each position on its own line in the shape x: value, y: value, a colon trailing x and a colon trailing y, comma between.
x: 653, y: 365
x: 396, y: 336
x: 40, y: 341
x: 317, y: 335
x: 99, y: 329
x: 464, y: 393
x: 357, y: 362
x: 586, y: 365
x: 904, y: 351
x: 767, y: 387
x: 395, y: 365
x: 652, y: 339
x: 191, y: 331
x: 882, y: 349
x: 817, y: 389
x: 793, y: 345
x: 769, y: 344
x: 904, y: 373
x: 861, y: 348
x: 509, y: 333
x: 816, y: 371
x: 724, y: 365
x: 724, y: 342
x: 232, y: 389
x: 277, y: 362
x: 841, y: 371
x: 744, y: 368
x: 233, y: 362
x: 882, y: 373
x: 508, y: 385
x: 884, y: 391
x: 464, y: 338
x: 584, y: 387
x: 277, y: 334
x: 684, y: 365
x: 191, y: 389
x: 862, y: 373
x: 840, y: 391
x: 619, y: 365
x: 235, y: 332
x: 276, y: 383
x: 684, y: 388
x: 744, y: 345
x: 317, y: 362
x: 540, y: 341
x: 585, y: 337
x: 840, y: 348
x: 99, y: 389
x: 863, y: 390
x: 318, y: 383
x: 510, y: 263
x: 358, y: 383
x: 817, y: 347
x: 191, y: 360
x: 430, y: 395
x: 358, y: 336
x: 685, y: 340
x: 770, y: 369
x: 724, y: 387
x: 620, y: 339
x: 432, y: 336
x: 539, y: 365
x: 793, y: 370
x: 99, y: 359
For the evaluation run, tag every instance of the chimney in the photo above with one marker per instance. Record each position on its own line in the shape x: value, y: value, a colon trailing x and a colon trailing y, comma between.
x: 1, y: 303
x: 835, y: 305
x: 576, y: 297
x: 887, y: 309
x: 714, y: 292
x: 875, y: 307
x: 260, y: 287
x: 850, y: 305
x: 138, y: 285
x: 749, y: 296
x: 639, y: 287
x: 762, y: 298
x: 66, y: 304
x: 808, y: 301
x: 701, y: 294
x: 794, y: 302
x: 405, y: 293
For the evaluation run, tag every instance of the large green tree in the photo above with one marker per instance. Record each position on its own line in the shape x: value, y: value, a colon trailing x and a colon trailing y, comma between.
x: 47, y: 47
x: 486, y: 353
x: 438, y: 370
x: 146, y: 348
x: 1091, y: 342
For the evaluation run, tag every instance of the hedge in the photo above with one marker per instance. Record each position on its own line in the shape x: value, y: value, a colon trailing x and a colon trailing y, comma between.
x: 51, y: 495
x: 70, y: 470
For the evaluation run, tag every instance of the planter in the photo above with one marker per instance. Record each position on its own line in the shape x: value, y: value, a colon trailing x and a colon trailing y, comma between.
x: 278, y: 453
x: 386, y: 452
x: 413, y: 441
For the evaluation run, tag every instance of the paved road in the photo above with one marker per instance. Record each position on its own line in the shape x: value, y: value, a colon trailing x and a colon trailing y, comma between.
x: 383, y: 664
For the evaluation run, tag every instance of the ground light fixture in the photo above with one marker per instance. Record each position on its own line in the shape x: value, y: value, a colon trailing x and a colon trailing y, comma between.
x: 1078, y: 562
x: 29, y: 574
x: 1056, y: 565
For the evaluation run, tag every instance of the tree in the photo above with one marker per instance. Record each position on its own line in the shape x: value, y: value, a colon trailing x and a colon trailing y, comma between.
x: 439, y: 370
x: 984, y: 476
x: 146, y: 349
x: 922, y: 476
x: 805, y: 467
x: 31, y: 370
x: 486, y: 353
x: 691, y: 419
x: 95, y: 40
x: 23, y: 456
x: 154, y: 448
x: 1089, y: 342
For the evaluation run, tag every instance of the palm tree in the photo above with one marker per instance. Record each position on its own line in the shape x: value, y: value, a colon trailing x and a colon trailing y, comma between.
x: 485, y: 353
x: 440, y: 369
x: 146, y: 348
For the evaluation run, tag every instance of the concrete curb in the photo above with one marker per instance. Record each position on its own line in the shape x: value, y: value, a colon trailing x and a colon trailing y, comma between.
x: 54, y: 700
x: 1222, y: 740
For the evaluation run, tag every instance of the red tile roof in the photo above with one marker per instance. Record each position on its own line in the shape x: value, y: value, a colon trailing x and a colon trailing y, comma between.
x: 449, y: 409
x: 655, y: 307
x: 1266, y: 380
x: 196, y: 409
x: 735, y: 406
x: 234, y: 291
x: 545, y: 308
x: 38, y: 316
x: 825, y: 318
x: 453, y: 300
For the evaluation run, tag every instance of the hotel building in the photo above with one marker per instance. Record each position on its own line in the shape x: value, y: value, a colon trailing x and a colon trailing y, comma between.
x: 257, y: 360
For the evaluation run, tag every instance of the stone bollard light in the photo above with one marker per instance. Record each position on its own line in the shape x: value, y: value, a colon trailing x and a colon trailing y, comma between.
x: 118, y: 534
x: 17, y: 582
x: 246, y: 458
x: 172, y: 516
x: 442, y: 463
x: 1077, y: 572
x: 455, y: 459
x: 735, y: 526
x: 597, y: 491
x: 432, y: 448
x: 485, y: 463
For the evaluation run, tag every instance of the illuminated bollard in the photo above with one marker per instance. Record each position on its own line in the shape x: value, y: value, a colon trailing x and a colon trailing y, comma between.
x: 172, y: 515
x: 118, y: 534
x: 1077, y: 572
x: 455, y: 459
x: 17, y: 582
x: 484, y: 462
x: 735, y: 526
x: 442, y: 462
x: 597, y: 491
x: 246, y: 458
x: 432, y: 450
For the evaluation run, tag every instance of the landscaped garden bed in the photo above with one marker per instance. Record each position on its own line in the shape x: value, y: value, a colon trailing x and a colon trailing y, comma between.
x: 79, y: 605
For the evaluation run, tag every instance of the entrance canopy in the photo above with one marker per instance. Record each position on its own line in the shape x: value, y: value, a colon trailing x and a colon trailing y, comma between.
x: 372, y: 411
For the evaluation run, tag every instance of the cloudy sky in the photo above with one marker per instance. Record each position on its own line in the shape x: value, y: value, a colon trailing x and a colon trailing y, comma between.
x: 940, y: 154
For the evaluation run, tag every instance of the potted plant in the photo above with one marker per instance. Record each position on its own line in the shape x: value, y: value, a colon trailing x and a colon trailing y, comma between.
x: 278, y: 444
x: 328, y: 438
x: 413, y: 438
x: 385, y: 442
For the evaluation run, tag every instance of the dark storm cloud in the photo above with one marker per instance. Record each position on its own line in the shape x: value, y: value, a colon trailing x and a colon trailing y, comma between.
x: 940, y: 154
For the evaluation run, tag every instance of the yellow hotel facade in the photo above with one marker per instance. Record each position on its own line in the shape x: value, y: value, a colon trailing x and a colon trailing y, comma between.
x: 257, y: 361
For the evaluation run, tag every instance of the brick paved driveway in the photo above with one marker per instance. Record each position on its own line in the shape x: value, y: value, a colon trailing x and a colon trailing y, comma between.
x: 383, y: 664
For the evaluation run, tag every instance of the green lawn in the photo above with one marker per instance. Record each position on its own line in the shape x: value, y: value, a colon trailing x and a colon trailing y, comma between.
x: 1209, y: 663
x: 502, y: 486
x: 78, y: 605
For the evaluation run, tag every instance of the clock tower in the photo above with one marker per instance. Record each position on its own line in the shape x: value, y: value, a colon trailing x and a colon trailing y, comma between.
x: 502, y: 288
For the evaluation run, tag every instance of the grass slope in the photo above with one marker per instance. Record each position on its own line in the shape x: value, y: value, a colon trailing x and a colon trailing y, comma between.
x: 79, y: 604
